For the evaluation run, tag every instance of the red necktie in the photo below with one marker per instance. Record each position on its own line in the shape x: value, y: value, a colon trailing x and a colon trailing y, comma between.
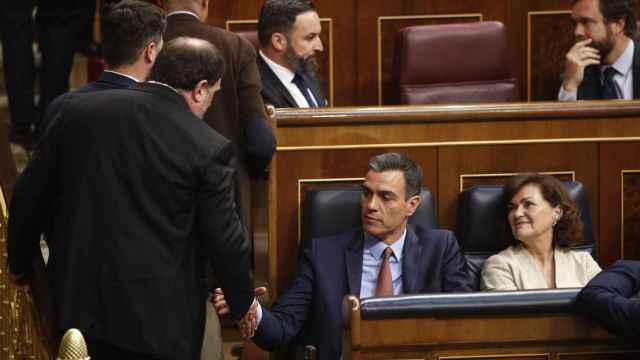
x: 384, y: 287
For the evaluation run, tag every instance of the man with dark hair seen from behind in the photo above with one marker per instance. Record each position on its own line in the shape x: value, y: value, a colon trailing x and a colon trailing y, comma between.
x: 131, y: 40
x: 604, y: 63
x: 387, y: 256
x: 143, y: 200
x: 289, y: 34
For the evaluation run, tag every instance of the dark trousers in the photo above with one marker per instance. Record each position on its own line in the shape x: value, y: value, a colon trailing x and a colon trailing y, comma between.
x: 57, y: 24
x: 100, y: 350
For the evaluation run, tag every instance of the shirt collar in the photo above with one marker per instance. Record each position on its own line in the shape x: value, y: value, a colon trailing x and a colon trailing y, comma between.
x: 376, y: 247
x: 166, y: 85
x: 284, y: 74
x: 184, y: 12
x: 121, y: 74
x: 624, y: 62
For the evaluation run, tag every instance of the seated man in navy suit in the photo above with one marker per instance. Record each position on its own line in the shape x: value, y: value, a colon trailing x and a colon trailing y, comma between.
x: 383, y: 258
x: 613, y: 298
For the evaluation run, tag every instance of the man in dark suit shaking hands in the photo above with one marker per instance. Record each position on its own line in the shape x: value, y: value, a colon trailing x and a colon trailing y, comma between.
x: 136, y: 194
x: 289, y: 34
x: 383, y: 258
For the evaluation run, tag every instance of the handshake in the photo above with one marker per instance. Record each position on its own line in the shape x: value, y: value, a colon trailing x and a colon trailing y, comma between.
x: 248, y: 325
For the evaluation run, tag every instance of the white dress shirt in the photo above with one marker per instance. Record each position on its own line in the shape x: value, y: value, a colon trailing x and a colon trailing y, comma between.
x: 184, y: 12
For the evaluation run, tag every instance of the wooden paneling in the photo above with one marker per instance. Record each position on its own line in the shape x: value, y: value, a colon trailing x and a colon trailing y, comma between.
x: 470, y: 180
x: 455, y: 335
x: 517, y: 25
x: 631, y: 214
x: 497, y: 357
x: 615, y: 158
x: 611, y: 355
x: 549, y: 41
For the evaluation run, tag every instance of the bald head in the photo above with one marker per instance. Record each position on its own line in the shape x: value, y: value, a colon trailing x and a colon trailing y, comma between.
x: 184, y: 62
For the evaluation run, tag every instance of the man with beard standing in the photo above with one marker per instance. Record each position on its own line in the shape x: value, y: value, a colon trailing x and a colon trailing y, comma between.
x: 602, y: 63
x: 289, y: 33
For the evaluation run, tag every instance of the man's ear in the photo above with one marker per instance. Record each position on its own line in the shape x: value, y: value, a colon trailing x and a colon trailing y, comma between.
x: 412, y: 204
x: 617, y: 26
x: 150, y: 52
x: 279, y: 41
x: 204, y: 5
x: 200, y: 91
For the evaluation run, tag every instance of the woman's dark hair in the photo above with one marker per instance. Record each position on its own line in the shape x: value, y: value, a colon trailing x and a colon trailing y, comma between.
x: 568, y: 230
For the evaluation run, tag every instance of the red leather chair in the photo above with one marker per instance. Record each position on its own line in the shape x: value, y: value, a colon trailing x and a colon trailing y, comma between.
x: 453, y: 63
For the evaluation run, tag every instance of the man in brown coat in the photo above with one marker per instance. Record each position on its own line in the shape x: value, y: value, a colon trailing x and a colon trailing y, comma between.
x: 237, y: 113
x: 238, y: 110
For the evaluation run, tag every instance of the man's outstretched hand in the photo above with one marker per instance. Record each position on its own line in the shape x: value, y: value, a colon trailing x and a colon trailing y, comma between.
x: 249, y: 323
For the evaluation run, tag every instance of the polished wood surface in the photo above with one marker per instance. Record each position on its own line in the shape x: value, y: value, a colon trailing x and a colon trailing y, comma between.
x: 508, y: 336
x: 458, y: 146
x: 364, y: 39
x: 618, y: 165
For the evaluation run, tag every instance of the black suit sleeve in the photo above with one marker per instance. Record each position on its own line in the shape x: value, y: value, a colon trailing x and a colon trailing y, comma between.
x: 30, y: 207
x: 223, y: 235
x: 609, y: 298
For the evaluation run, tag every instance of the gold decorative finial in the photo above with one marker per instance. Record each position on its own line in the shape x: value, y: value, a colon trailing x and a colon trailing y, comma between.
x: 73, y: 346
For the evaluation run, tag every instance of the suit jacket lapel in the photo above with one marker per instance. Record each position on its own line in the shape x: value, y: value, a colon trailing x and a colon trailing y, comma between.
x: 411, y: 256
x: 353, y: 262
x: 272, y: 83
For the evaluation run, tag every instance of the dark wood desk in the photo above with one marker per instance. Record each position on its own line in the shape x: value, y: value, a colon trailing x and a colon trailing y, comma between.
x: 515, y: 333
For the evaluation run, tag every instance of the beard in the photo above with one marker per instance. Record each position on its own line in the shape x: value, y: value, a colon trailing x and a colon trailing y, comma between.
x: 604, y: 46
x: 308, y: 65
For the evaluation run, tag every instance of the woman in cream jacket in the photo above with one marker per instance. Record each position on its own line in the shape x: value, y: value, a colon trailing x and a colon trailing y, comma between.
x: 544, y: 224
